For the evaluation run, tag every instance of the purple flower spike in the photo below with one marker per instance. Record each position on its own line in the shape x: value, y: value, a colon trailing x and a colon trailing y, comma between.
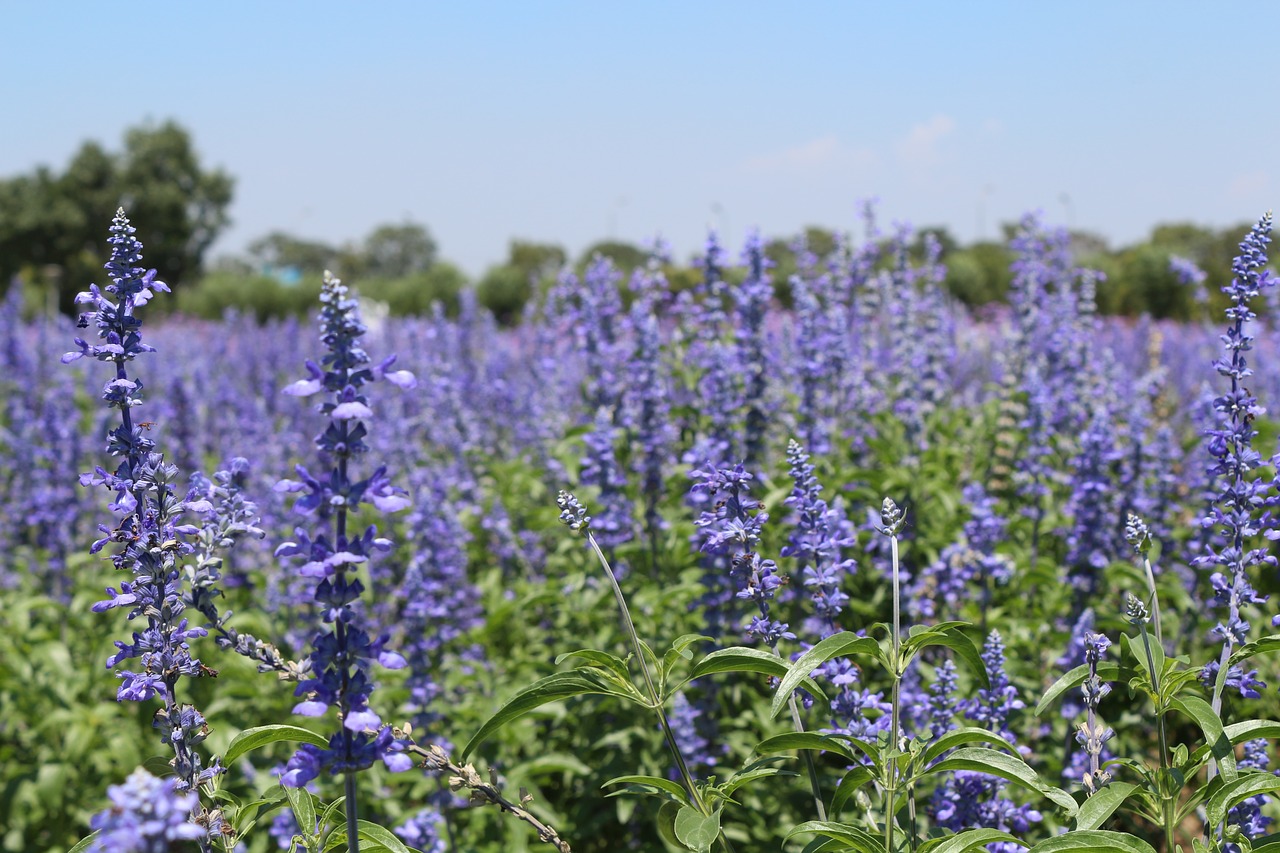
x: 343, y: 652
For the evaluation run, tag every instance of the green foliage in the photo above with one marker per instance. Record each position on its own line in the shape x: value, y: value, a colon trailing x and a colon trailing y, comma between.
x: 51, y: 224
x: 505, y: 290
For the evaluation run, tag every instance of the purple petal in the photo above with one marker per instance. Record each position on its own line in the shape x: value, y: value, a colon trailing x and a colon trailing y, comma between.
x: 351, y: 411
x: 304, y: 388
x: 392, y: 660
x: 358, y: 721
x: 402, y: 379
x: 310, y: 708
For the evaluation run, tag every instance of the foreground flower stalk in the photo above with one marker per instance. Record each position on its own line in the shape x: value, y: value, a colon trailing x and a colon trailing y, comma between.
x: 344, y: 653
x: 149, y: 534
x: 1240, y: 497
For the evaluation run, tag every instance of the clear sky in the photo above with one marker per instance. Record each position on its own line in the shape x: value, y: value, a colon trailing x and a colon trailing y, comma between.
x: 575, y: 121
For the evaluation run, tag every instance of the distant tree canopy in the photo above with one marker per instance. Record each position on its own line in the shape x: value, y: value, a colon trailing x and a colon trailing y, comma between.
x: 52, y: 224
x: 52, y: 227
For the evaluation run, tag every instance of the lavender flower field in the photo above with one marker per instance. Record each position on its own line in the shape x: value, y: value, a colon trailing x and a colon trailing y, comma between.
x: 658, y: 568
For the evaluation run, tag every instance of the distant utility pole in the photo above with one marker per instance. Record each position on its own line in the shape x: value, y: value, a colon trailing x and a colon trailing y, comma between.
x: 722, y: 222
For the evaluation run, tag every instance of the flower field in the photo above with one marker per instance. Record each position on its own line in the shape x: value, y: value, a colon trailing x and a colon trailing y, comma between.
x: 657, y: 569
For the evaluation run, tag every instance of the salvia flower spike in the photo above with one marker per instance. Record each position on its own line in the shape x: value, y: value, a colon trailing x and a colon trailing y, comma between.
x: 149, y: 536
x: 343, y: 653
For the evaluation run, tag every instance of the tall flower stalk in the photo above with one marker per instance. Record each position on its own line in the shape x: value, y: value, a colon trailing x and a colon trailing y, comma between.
x: 891, y: 520
x: 1230, y: 443
x: 574, y: 516
x: 148, y: 531
x: 343, y: 652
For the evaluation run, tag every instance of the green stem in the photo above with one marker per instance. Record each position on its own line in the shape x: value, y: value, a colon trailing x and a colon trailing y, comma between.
x: 656, y: 700
x: 1167, y: 797
x: 1155, y: 599
x: 891, y: 766
x: 807, y: 756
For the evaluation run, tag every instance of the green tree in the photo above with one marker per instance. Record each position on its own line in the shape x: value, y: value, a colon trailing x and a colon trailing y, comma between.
x: 51, y: 224
x: 397, y: 251
x: 279, y: 251
x: 505, y: 290
x: 625, y: 256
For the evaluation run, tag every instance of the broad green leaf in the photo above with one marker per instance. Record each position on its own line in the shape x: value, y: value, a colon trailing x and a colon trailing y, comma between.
x: 742, y: 659
x: 1095, y: 810
x: 1216, y: 739
x: 1107, y: 671
x: 1235, y: 792
x: 804, y: 740
x: 667, y: 824
x: 867, y: 748
x: 674, y: 788
x: 1263, y: 646
x: 84, y: 843
x: 951, y: 635
x: 761, y: 769
x: 380, y: 835
x: 304, y: 810
x: 696, y: 830
x: 1005, y: 766
x: 553, y: 688
x: 1094, y: 841
x: 959, y: 737
x: 835, y: 646
x: 251, y: 739
x: 852, y: 782
x: 962, y: 842
x: 1238, y: 733
x: 843, y: 832
x: 333, y: 809
x: 604, y: 660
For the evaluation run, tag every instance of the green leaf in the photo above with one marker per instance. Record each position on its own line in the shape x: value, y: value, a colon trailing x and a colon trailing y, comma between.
x: 603, y: 660
x: 380, y: 835
x: 83, y: 844
x: 675, y: 789
x: 835, y: 646
x: 553, y: 688
x: 667, y: 824
x: 304, y: 810
x: 1095, y: 841
x: 1263, y: 646
x: 251, y: 739
x: 852, y: 782
x: 1005, y: 766
x: 1209, y: 723
x: 1095, y: 810
x: 968, y: 840
x: 1107, y: 671
x: 695, y: 830
x: 1237, y: 733
x: 742, y: 659
x: 959, y: 737
x: 753, y: 771
x: 804, y: 740
x: 850, y: 835
x: 951, y: 635
x: 680, y: 648
x: 1235, y: 792
x: 331, y: 810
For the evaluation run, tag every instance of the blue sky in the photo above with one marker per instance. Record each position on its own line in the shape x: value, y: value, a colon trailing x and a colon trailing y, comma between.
x: 575, y: 121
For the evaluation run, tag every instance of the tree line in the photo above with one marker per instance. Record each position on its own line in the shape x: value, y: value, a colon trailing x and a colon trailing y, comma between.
x: 50, y: 223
